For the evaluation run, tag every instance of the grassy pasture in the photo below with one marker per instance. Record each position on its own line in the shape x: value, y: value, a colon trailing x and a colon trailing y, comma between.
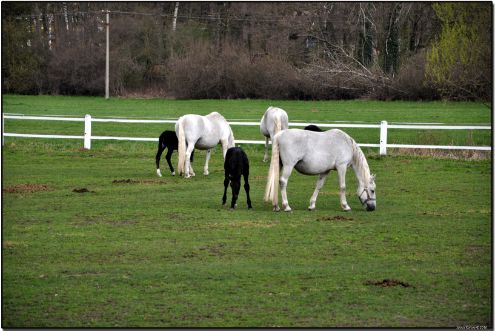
x: 136, y: 250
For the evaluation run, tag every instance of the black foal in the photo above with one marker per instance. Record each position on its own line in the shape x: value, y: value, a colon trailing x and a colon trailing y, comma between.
x: 313, y: 127
x: 236, y: 165
x: 168, y: 139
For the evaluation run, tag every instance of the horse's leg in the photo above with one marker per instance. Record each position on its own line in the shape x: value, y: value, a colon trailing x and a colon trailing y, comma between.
x: 236, y: 187
x: 161, y: 148
x: 246, y: 188
x: 265, y: 158
x: 284, y: 178
x: 188, y: 169
x: 319, y: 185
x: 225, y: 147
x: 168, y: 157
x: 341, y: 170
x: 191, y: 170
x: 226, y: 185
x: 208, y: 155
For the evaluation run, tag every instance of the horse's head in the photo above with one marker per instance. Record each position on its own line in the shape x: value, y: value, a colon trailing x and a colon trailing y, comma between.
x: 367, y: 194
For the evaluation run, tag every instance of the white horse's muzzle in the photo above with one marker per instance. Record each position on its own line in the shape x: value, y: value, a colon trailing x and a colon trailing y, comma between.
x: 369, y: 201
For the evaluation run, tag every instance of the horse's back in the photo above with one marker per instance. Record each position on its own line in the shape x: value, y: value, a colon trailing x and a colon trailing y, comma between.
x: 205, y: 132
x: 313, y: 127
x: 236, y: 161
x: 192, y: 124
x: 215, y: 116
x: 269, y: 118
x: 219, y: 123
x: 189, y: 121
x: 313, y: 152
x: 169, y: 139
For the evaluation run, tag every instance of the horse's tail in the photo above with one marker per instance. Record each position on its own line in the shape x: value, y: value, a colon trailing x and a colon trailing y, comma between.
x: 278, y: 124
x: 181, y: 148
x: 271, y: 191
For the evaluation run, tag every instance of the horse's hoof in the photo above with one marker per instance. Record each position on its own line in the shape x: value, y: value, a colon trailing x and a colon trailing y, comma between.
x: 346, y: 208
x: 286, y: 207
x: 311, y: 208
x: 187, y: 176
x: 276, y: 208
x: 158, y: 173
x: 206, y: 173
x: 173, y: 173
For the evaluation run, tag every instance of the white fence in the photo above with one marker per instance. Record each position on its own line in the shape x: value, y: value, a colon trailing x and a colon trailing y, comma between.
x: 383, y: 126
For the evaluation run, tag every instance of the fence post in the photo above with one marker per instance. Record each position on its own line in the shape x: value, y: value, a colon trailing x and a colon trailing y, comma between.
x: 3, y: 129
x: 87, y: 131
x: 383, y: 138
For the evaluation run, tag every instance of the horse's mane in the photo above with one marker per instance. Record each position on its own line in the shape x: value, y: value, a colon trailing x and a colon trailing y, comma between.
x: 231, y: 138
x: 359, y: 160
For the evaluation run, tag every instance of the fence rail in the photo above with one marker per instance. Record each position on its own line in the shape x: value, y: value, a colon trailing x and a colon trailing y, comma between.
x: 383, y: 126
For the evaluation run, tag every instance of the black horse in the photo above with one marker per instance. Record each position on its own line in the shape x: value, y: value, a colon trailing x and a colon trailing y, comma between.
x: 168, y: 139
x: 312, y: 127
x: 236, y: 165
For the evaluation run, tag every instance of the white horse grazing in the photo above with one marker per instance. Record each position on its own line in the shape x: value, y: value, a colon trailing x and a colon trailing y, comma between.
x: 316, y: 153
x: 274, y: 120
x: 201, y: 132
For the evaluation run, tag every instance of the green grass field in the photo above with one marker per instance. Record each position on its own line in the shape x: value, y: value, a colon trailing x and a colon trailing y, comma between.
x: 135, y: 250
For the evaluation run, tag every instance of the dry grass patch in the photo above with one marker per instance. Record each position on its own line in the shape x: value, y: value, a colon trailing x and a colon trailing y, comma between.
x: 251, y: 224
x: 445, y: 154
x: 139, y: 181
x: 9, y: 244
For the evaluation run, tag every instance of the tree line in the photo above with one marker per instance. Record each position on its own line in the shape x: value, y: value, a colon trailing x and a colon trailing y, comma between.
x: 293, y: 50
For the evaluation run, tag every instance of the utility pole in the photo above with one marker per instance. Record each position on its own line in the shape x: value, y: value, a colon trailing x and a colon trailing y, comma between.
x: 174, y: 27
x: 107, y: 62
x: 174, y: 21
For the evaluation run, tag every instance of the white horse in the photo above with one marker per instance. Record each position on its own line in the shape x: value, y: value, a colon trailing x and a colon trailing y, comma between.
x: 273, y: 121
x: 201, y: 132
x: 316, y: 153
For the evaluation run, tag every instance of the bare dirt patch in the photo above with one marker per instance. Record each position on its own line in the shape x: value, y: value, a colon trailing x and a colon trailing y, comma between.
x: 388, y: 283
x: 82, y: 190
x: 214, y: 249
x: 334, y: 218
x: 26, y: 188
x: 124, y: 181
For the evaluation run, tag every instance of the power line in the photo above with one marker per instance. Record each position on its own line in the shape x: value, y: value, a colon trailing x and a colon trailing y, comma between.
x: 251, y: 18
